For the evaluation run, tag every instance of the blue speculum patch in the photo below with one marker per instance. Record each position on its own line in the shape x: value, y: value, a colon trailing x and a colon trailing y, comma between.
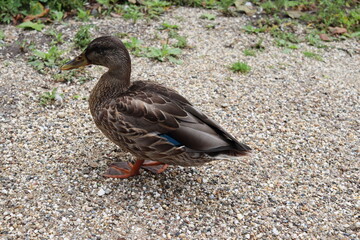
x: 171, y: 140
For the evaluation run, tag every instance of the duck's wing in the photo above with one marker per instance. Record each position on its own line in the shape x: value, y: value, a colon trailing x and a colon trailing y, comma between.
x: 164, y: 112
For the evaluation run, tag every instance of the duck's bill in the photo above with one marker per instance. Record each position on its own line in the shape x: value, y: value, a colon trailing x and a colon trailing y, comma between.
x: 79, y: 61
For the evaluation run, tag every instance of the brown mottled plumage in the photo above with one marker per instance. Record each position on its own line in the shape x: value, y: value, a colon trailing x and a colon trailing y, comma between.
x: 149, y: 120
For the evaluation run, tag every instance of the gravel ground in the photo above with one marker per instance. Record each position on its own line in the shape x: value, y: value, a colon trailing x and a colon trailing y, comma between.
x: 301, y: 116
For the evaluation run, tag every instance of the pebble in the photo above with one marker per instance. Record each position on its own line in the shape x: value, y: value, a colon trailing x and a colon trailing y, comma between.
x: 357, y: 205
x: 101, y: 192
x: 61, y: 114
x: 355, y: 226
x: 240, y: 216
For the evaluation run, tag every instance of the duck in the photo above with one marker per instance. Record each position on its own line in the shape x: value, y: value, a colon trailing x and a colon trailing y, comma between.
x: 156, y: 124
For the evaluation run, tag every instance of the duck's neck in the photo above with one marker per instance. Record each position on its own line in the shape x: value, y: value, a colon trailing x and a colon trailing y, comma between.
x: 112, y: 84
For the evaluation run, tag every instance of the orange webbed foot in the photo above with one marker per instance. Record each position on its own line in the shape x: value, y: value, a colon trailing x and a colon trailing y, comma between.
x: 154, y: 166
x: 123, y: 169
x: 126, y: 169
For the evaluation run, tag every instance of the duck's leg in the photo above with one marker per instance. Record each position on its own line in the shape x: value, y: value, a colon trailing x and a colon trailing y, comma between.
x: 124, y: 169
x: 154, y: 166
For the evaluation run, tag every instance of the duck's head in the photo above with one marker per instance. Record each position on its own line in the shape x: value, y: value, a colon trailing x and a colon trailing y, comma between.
x: 106, y: 51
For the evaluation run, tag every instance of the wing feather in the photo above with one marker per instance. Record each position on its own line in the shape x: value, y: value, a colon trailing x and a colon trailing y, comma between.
x: 154, y: 109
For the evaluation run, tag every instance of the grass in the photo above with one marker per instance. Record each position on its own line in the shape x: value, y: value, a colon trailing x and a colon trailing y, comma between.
x: 313, y: 56
x: 83, y: 14
x: 224, y: 7
x: 2, y: 35
x: 208, y: 16
x: 285, y: 39
x: 240, y: 67
x: 252, y: 29
x: 249, y: 52
x: 134, y: 45
x: 313, y: 39
x: 32, y: 25
x: 320, y: 14
x: 83, y: 36
x: 131, y: 12
x: 154, y: 8
x: 57, y: 37
x: 171, y: 29
x: 50, y: 97
x: 181, y: 40
x: 57, y: 16
x: 149, y: 8
x: 279, y: 20
x: 10, y: 9
x: 43, y: 61
x: 164, y: 53
x: 167, y: 26
x: 69, y: 76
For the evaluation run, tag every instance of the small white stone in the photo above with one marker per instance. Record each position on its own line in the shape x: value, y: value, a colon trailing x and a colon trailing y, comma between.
x: 101, y: 192
x: 260, y: 235
x: 355, y: 226
x: 357, y: 205
x: 61, y: 114
x: 275, y: 231
x: 240, y: 216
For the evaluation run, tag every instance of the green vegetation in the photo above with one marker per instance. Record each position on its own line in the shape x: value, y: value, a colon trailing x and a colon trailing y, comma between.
x: 132, y: 12
x: 135, y: 46
x: 149, y: 8
x: 69, y: 76
x: 2, y: 35
x: 57, y: 37
x: 50, y: 97
x: 10, y: 9
x: 171, y: 29
x: 197, y: 3
x: 286, y: 36
x: 31, y: 25
x: 325, y: 20
x: 181, y: 40
x: 240, y: 67
x: 57, y: 16
x: 164, y: 53
x: 208, y: 16
x: 83, y: 15
x: 250, y: 52
x: 43, y: 61
x: 167, y: 26
x: 313, y: 56
x: 252, y: 29
x: 320, y: 14
x: 154, y: 8
x: 83, y: 36
x: 224, y: 7
x: 314, y: 40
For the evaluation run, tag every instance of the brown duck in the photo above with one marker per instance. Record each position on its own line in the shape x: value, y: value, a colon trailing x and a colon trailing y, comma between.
x: 154, y: 123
